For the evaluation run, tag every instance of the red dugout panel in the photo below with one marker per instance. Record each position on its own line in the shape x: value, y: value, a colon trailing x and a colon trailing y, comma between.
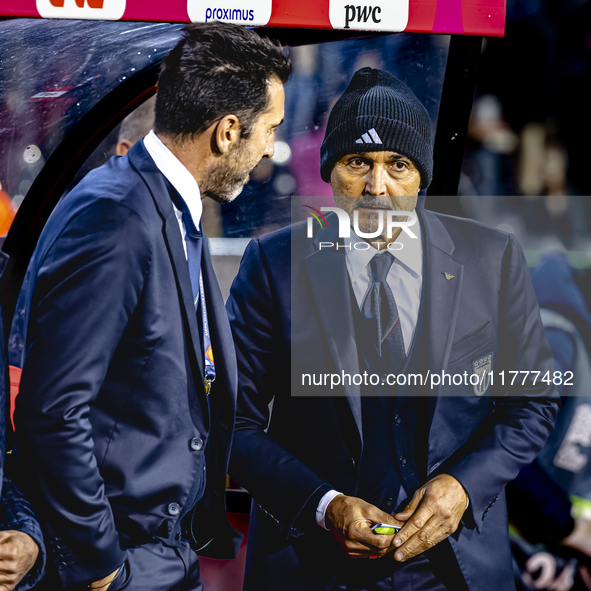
x: 460, y: 17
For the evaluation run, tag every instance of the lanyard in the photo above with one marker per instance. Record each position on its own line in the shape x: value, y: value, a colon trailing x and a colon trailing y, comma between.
x: 209, y: 362
x: 193, y: 239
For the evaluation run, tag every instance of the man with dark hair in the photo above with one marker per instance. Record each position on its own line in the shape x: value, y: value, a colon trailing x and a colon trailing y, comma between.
x: 335, y: 310
x: 234, y: 77
x: 121, y: 427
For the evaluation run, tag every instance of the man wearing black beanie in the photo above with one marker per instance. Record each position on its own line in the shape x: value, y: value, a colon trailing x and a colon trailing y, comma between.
x: 381, y: 350
x: 377, y: 112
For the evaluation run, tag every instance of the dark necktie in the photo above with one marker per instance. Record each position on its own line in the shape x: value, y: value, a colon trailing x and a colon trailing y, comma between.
x: 194, y: 243
x: 381, y: 314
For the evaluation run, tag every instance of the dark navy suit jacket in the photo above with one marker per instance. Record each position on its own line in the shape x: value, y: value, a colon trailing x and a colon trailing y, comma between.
x: 290, y: 308
x: 112, y: 393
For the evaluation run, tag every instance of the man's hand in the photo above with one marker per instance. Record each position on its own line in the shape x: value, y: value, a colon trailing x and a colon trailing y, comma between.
x: 104, y: 584
x: 18, y: 554
x: 350, y: 520
x: 433, y: 513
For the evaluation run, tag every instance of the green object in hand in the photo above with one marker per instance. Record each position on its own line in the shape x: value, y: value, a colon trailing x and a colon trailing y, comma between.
x: 384, y: 529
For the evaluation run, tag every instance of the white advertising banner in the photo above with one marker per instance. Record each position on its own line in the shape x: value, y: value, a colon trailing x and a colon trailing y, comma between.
x: 251, y: 12
x: 369, y: 15
x: 110, y: 10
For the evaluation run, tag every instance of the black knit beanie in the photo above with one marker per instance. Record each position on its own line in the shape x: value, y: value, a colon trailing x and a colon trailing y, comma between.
x: 378, y: 112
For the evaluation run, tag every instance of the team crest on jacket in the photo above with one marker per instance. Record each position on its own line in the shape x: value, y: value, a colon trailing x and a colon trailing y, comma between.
x: 482, y: 367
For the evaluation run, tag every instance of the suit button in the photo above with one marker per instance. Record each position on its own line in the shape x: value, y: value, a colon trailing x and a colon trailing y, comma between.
x: 61, y: 565
x: 402, y: 460
x: 397, y: 420
x: 196, y: 444
x: 389, y: 502
x: 174, y: 509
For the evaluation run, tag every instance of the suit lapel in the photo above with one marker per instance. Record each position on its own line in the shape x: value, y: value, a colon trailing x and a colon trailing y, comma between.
x: 442, y: 281
x: 330, y: 290
x: 159, y: 188
x: 179, y: 262
x: 443, y: 284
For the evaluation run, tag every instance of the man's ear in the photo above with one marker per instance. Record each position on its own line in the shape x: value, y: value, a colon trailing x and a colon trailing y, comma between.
x: 227, y: 133
x: 123, y: 147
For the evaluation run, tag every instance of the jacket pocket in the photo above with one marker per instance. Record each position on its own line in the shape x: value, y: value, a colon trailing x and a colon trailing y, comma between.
x: 472, y: 342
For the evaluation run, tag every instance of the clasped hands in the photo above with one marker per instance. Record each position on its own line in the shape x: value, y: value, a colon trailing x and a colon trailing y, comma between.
x: 433, y: 513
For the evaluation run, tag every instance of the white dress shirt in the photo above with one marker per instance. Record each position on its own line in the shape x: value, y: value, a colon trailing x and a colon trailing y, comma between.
x: 179, y: 177
x: 405, y: 279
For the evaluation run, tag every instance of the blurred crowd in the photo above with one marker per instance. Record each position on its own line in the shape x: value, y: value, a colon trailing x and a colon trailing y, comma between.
x: 528, y: 136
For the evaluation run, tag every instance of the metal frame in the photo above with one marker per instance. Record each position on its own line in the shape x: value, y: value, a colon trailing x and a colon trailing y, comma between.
x: 457, y: 95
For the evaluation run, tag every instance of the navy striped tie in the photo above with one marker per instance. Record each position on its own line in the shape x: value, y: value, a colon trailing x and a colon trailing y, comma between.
x: 381, y: 314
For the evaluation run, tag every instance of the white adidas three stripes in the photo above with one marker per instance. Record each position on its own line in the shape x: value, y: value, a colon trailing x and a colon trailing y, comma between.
x: 369, y: 137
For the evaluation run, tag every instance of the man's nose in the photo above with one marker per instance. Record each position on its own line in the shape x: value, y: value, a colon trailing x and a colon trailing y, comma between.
x: 269, y: 149
x: 375, y: 182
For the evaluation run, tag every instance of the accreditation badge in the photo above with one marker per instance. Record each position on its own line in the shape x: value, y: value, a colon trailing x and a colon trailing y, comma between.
x: 482, y: 367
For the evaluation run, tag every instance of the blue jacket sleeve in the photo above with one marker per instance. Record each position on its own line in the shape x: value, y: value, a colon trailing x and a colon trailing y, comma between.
x: 18, y: 515
x: 524, y: 413
x: 249, y: 304
x: 87, y: 287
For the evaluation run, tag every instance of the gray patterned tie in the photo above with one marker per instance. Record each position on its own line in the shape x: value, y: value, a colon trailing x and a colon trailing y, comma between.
x: 381, y: 313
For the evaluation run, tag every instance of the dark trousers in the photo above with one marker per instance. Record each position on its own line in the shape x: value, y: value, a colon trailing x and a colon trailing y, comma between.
x: 321, y: 565
x: 432, y: 571
x: 415, y: 575
x: 154, y: 566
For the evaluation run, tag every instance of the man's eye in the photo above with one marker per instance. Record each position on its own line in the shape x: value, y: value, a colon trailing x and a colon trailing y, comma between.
x: 357, y: 162
x: 399, y: 166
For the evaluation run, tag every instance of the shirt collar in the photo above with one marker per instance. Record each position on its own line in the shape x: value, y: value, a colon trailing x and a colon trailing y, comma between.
x: 411, y: 255
x: 176, y: 173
